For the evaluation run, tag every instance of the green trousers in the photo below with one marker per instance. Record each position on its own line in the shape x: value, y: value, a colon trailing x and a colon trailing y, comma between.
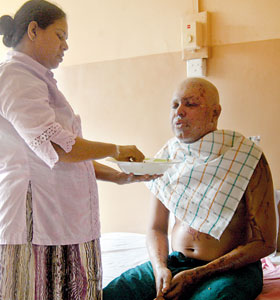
x: 139, y: 283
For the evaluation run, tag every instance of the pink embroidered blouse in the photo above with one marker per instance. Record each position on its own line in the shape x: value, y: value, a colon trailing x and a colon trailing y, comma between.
x: 33, y: 112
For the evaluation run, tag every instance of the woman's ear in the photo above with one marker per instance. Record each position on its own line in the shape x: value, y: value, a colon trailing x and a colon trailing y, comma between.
x: 32, y: 30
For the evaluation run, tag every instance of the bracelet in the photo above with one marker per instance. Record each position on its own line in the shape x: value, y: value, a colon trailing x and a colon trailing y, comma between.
x: 117, y: 150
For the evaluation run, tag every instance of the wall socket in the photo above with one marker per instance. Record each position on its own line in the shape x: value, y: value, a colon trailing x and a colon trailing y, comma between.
x: 196, y: 67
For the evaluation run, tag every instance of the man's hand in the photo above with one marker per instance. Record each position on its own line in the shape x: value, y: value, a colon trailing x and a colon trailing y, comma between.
x: 181, y: 283
x: 163, y: 278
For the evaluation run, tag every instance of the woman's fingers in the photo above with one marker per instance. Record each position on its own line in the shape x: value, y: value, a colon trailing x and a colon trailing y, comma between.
x: 129, y: 153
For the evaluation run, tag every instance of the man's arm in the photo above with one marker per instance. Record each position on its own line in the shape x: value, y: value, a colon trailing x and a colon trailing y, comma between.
x: 157, y: 245
x: 261, y: 211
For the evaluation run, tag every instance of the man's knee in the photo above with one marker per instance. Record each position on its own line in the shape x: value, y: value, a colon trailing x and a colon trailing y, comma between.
x: 136, y: 283
x: 228, y: 288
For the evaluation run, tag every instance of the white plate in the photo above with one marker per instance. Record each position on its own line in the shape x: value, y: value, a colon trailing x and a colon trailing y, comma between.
x: 149, y: 166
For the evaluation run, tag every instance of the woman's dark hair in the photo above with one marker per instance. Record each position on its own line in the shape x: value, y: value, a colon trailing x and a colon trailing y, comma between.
x: 41, y: 11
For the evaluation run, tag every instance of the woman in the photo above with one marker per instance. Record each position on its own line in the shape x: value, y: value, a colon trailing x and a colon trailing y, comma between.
x: 49, y: 216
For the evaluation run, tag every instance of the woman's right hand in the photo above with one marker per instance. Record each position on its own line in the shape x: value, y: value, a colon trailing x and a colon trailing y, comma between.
x: 128, y: 153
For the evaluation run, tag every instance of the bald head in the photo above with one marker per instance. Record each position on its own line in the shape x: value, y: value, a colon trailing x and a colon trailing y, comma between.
x: 195, y: 109
x: 204, y: 86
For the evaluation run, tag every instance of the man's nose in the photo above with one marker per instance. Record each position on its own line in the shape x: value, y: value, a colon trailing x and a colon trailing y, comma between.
x: 65, y: 46
x: 181, y: 111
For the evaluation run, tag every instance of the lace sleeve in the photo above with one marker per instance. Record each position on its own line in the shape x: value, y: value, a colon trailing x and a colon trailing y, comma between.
x: 43, y: 148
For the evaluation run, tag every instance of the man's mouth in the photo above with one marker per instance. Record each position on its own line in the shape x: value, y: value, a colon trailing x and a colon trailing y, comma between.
x: 179, y: 123
x: 61, y: 57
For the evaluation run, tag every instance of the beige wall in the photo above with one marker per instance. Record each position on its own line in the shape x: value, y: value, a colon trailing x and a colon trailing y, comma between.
x: 242, y: 21
x: 102, y: 30
x: 124, y: 62
x: 113, y: 29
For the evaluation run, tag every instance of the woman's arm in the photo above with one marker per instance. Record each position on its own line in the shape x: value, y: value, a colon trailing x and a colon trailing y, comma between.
x: 105, y: 173
x: 89, y: 150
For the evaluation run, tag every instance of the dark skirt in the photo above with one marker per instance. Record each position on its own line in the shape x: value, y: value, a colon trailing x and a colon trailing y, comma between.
x: 37, y: 272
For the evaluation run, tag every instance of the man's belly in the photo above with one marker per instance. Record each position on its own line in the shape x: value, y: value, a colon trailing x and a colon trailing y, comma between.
x: 202, y: 246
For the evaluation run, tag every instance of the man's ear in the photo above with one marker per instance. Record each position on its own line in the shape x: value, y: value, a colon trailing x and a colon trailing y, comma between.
x: 217, y: 111
x: 32, y: 30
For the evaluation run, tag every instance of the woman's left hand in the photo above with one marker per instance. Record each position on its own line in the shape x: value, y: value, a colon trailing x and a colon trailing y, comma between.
x: 106, y: 173
x: 123, y: 178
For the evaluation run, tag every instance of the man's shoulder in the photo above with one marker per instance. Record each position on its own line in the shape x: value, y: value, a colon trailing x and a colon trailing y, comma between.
x: 261, y: 179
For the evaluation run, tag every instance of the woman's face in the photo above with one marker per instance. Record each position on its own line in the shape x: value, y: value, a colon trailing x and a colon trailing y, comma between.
x: 50, y: 44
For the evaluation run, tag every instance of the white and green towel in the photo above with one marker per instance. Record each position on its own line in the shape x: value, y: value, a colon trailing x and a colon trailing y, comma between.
x: 205, y: 189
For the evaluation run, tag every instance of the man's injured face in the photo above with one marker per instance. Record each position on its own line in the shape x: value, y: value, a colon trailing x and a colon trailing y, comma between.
x: 193, y: 111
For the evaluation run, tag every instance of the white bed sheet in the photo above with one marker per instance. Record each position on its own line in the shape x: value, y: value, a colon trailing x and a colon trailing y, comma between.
x: 120, y: 252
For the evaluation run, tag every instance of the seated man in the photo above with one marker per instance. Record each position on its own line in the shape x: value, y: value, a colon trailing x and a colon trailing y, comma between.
x: 222, y: 198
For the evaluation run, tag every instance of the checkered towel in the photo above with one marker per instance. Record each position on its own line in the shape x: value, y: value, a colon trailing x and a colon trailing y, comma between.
x: 205, y: 189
